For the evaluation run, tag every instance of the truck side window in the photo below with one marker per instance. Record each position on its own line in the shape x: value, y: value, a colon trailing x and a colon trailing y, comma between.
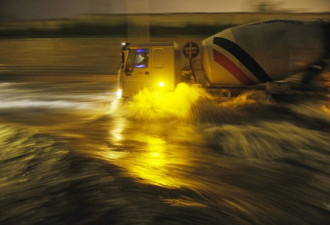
x: 141, y: 58
x: 137, y: 58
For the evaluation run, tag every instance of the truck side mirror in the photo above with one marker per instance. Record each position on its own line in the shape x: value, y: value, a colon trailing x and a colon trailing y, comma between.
x: 129, y: 67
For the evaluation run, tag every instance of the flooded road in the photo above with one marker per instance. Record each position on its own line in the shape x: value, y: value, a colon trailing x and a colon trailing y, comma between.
x: 72, y: 153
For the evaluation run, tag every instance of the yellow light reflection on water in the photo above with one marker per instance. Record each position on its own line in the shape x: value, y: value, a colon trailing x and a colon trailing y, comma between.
x: 151, y: 163
x: 157, y: 162
x: 157, y: 105
x: 149, y: 157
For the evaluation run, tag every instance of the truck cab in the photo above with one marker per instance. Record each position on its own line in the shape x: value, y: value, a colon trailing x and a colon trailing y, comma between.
x: 148, y: 65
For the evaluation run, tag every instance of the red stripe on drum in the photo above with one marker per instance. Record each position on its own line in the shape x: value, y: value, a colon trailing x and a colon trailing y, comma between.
x: 231, y: 67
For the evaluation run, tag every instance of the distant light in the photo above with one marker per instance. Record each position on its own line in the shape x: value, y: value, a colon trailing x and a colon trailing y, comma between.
x: 119, y: 93
x: 142, y: 50
x: 123, y: 43
x: 161, y: 84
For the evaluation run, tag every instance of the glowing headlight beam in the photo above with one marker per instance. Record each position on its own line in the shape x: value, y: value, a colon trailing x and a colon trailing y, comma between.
x: 119, y: 93
x: 161, y: 84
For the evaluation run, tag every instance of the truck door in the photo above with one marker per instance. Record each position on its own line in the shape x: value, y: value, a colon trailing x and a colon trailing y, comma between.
x: 163, y: 68
x: 136, y: 71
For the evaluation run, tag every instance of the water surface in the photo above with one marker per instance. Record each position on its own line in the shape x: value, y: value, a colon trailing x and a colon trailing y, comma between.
x: 71, y: 153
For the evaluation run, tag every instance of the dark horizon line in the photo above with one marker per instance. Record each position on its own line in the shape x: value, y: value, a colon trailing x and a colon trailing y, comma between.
x: 163, y: 13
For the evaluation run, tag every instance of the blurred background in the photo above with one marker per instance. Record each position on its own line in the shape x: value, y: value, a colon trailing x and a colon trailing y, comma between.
x: 84, y: 36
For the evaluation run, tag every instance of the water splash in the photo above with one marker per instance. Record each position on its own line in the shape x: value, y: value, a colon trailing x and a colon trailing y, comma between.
x: 266, y: 140
x: 325, y: 109
x: 153, y: 105
x: 246, y: 98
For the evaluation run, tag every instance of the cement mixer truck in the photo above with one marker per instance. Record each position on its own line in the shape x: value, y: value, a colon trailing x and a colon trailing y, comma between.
x: 259, y: 55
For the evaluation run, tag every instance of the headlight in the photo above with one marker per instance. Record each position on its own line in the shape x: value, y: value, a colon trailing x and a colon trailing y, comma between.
x: 161, y: 84
x: 119, y: 93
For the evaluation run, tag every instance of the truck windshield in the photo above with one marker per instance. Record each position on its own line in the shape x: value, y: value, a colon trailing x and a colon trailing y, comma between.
x: 137, y: 58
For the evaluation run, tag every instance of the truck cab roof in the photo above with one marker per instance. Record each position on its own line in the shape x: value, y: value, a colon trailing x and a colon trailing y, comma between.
x: 153, y: 44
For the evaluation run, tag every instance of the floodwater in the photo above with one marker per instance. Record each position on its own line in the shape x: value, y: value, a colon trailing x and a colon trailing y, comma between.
x: 72, y: 153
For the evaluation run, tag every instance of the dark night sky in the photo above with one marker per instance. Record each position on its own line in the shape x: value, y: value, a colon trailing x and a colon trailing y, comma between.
x: 54, y: 9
